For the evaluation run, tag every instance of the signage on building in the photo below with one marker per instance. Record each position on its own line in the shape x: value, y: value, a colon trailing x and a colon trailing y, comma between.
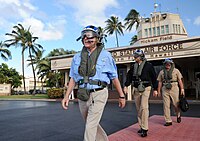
x: 177, y: 49
x: 63, y: 63
x: 158, y: 51
x: 156, y: 39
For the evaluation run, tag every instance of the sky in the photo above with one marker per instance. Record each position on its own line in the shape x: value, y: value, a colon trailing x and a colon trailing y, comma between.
x: 58, y: 23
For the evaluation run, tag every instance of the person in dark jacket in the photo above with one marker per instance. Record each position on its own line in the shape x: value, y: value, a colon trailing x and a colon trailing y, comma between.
x: 142, y: 77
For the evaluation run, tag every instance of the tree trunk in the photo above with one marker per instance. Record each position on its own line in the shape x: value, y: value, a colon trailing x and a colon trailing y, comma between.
x: 116, y: 38
x: 56, y: 74
x: 42, y: 85
x: 34, y: 87
x: 23, y: 71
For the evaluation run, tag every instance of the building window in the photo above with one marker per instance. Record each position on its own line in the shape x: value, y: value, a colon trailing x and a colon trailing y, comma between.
x: 154, y: 31
x: 150, y: 32
x: 179, y: 29
x: 162, y: 30
x: 153, y: 19
x: 146, y: 32
x: 167, y: 29
x: 173, y: 28
x: 176, y: 28
x: 157, y: 17
x: 158, y: 31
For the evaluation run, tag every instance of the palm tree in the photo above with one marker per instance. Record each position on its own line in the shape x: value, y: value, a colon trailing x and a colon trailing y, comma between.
x: 44, y: 69
x: 43, y: 66
x: 60, y: 51
x: 113, y: 25
x: 4, y: 52
x: 131, y: 19
x: 102, y: 34
x: 18, y: 38
x: 33, y: 48
x: 133, y: 39
x: 36, y: 59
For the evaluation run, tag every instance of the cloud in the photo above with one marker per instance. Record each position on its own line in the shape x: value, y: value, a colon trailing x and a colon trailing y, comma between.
x: 90, y: 12
x: 16, y: 2
x: 52, y: 28
x: 17, y: 9
x: 45, y: 31
x: 197, y: 21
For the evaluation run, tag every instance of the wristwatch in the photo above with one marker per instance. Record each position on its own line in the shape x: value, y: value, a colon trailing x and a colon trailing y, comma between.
x: 122, y: 97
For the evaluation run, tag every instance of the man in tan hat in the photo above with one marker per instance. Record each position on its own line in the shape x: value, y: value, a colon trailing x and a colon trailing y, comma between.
x: 168, y: 80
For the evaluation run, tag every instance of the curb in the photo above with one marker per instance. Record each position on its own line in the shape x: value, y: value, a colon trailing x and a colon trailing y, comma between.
x: 76, y: 100
x: 2, y: 99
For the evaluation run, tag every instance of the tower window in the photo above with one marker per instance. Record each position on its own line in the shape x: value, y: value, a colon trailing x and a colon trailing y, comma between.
x: 167, y: 29
x: 162, y: 30
x: 158, y: 31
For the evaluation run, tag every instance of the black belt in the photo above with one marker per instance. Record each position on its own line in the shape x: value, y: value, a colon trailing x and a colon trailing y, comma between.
x: 147, y: 82
x: 169, y: 81
x: 93, y: 82
x: 97, y: 89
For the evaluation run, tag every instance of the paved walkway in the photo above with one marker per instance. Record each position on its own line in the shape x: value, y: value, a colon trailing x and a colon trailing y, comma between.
x: 40, y: 120
x: 187, y: 130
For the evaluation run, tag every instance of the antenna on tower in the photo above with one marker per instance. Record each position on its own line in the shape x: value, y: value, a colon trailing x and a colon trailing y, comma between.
x: 155, y: 6
x: 177, y: 8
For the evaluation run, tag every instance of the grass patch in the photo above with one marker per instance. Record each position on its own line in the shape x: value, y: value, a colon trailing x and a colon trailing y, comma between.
x: 37, y: 96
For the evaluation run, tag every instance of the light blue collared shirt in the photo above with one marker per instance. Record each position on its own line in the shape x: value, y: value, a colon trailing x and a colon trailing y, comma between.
x: 106, y: 69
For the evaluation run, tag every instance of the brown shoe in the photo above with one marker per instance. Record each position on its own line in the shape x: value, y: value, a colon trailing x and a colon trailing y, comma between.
x: 179, y: 119
x: 168, y: 124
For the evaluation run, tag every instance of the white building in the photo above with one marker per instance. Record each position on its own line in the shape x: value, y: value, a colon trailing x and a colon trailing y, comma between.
x: 5, y: 89
x: 29, y: 83
x: 159, y: 36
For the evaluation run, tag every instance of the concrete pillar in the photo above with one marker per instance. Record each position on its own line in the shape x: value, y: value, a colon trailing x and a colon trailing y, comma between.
x: 197, y: 88
x: 66, y: 77
x: 71, y: 96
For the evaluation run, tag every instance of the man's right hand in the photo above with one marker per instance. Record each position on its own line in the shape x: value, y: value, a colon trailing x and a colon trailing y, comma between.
x: 65, y: 103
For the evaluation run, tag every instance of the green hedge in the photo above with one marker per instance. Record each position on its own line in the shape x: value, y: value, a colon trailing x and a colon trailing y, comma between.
x: 55, y: 93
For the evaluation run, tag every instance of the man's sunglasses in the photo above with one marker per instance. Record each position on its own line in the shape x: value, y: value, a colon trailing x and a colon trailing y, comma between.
x: 88, y: 34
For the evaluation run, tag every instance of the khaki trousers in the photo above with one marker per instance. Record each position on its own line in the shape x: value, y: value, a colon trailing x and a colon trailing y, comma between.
x: 92, y: 111
x: 142, y: 106
x: 168, y: 95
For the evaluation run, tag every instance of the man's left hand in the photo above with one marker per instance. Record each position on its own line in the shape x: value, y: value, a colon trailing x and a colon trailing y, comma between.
x: 122, y: 102
x: 182, y: 92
